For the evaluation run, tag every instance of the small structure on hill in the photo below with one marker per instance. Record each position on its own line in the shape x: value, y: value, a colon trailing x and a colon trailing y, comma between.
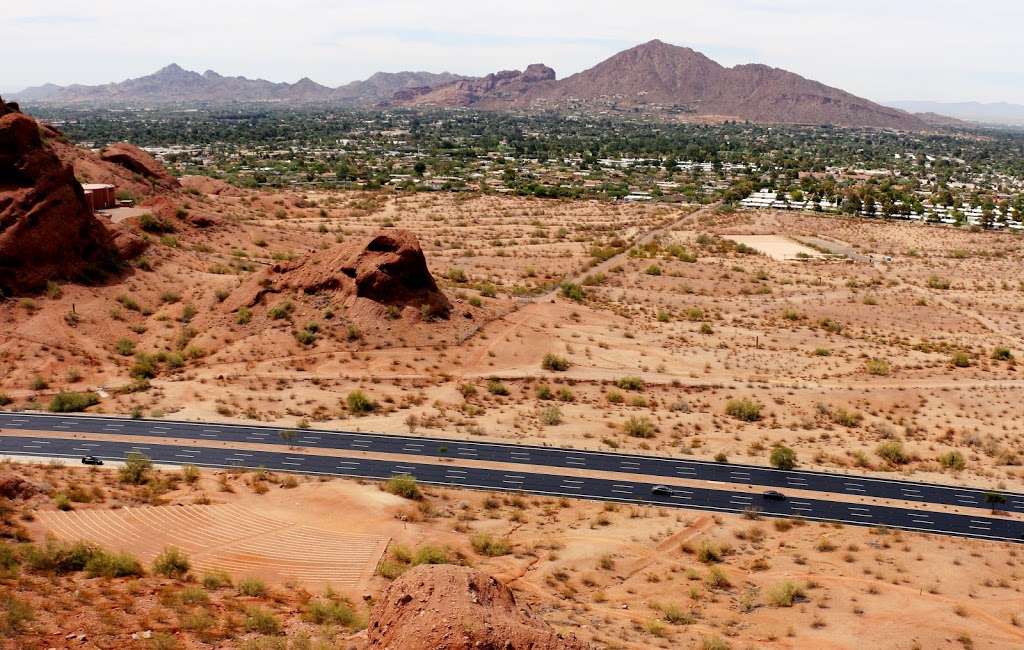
x: 100, y: 195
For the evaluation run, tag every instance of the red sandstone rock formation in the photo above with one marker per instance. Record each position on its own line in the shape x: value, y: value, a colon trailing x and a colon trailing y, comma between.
x: 138, y: 161
x: 47, y: 228
x: 387, y: 269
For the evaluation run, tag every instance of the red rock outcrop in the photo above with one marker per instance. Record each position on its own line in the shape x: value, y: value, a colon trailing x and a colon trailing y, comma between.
x: 387, y: 269
x: 447, y: 607
x: 498, y: 87
x: 138, y: 161
x: 47, y: 228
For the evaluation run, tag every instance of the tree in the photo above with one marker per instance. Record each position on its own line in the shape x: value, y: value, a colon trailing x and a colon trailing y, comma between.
x: 419, y: 167
x: 994, y: 500
x: 287, y: 436
x: 783, y: 458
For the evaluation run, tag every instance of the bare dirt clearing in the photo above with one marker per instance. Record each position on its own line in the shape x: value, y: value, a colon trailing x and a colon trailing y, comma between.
x: 777, y: 247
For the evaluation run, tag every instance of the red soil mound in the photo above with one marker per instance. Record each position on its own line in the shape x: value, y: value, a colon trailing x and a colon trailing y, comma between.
x: 457, y: 608
x: 367, y: 276
x: 47, y: 228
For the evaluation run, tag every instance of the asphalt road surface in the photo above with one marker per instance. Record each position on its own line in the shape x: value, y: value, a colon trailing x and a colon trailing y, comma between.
x: 519, y: 454
x: 626, y: 491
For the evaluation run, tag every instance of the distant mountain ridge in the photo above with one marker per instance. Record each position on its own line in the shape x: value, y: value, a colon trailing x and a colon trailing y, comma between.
x: 992, y: 113
x: 174, y: 84
x: 657, y: 74
x: 654, y: 77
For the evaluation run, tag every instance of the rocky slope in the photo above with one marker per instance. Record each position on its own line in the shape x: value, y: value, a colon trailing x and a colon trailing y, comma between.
x: 446, y: 607
x: 47, y: 228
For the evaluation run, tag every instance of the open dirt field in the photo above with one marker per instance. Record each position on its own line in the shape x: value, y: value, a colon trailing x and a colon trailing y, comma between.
x: 230, y: 538
x: 776, y: 247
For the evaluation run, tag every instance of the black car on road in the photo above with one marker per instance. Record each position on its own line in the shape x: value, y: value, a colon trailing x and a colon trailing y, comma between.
x: 661, y: 490
x: 773, y: 495
x: 91, y: 460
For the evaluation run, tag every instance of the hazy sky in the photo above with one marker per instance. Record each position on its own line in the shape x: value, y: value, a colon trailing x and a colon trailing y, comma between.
x: 945, y: 50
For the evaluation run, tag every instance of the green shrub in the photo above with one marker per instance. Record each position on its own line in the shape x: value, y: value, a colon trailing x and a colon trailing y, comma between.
x: 953, y: 460
x: 785, y: 594
x: 744, y: 409
x: 58, y: 557
x: 783, y: 458
x: 125, y: 347
x: 485, y: 544
x: 935, y: 282
x: 638, y: 427
x: 155, y: 225
x: 714, y: 643
x: 190, y: 474
x: 495, y: 387
x: 456, y: 275
x: 960, y: 360
x: 9, y: 562
x: 260, y: 620
x: 677, y: 616
x: 1002, y: 354
x: 145, y: 367
x: 252, y: 587
x: 427, y: 554
x: 5, y: 399
x: 135, y: 469
x: 358, y: 403
x: 216, y: 579
x: 70, y: 402
x: 550, y: 415
x: 330, y: 612
x: 403, y: 485
x: 171, y: 563
x: 573, y: 292
x: 846, y: 418
x: 243, y: 315
x: 544, y: 392
x: 630, y: 383
x: 555, y: 363
x: 113, y: 565
x: 708, y: 552
x: 879, y: 367
x: 14, y: 613
x: 892, y: 452
x: 281, y: 310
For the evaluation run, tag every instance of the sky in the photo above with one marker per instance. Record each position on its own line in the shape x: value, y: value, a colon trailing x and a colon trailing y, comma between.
x: 941, y: 50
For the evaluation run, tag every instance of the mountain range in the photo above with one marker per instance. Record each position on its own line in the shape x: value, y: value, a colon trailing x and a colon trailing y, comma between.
x: 175, y: 85
x: 994, y: 113
x: 654, y: 77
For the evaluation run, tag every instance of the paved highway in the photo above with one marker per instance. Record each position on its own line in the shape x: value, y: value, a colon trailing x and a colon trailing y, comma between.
x: 518, y: 454
x: 626, y: 491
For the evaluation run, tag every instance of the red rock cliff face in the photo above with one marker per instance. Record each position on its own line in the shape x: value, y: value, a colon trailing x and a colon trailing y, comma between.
x: 457, y: 608
x: 47, y: 229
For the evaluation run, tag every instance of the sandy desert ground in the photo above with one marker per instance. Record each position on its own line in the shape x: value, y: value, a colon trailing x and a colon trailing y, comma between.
x: 898, y: 359
x: 619, y: 576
